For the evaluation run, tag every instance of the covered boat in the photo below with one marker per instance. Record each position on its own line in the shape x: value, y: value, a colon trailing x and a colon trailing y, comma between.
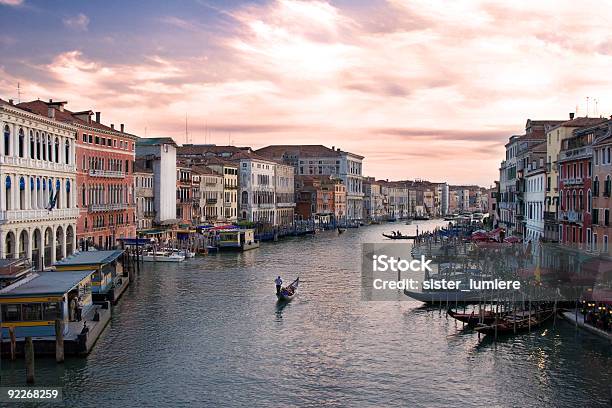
x: 287, y: 293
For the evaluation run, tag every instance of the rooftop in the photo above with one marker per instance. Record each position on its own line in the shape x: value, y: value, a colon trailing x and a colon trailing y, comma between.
x: 45, y: 283
x: 155, y: 141
x: 90, y: 258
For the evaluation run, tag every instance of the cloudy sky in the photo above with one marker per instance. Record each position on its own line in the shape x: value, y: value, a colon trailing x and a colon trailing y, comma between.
x: 424, y: 88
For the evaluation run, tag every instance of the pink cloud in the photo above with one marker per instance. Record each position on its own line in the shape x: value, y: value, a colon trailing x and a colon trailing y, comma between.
x: 425, y: 89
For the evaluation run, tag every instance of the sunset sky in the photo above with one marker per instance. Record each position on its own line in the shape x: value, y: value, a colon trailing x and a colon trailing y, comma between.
x: 423, y: 89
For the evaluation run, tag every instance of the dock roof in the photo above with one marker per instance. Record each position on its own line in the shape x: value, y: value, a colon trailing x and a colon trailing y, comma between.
x: 45, y: 283
x: 90, y: 258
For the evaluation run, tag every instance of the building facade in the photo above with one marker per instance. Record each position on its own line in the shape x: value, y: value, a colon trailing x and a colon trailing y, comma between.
x: 38, y: 203
x: 159, y: 155
x: 145, y: 196
x: 104, y: 168
x: 602, y: 188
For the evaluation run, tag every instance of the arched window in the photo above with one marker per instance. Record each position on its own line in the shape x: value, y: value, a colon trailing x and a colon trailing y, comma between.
x: 21, y: 149
x: 56, y: 152
x: 37, y: 146
x: 590, y: 201
x: 50, y: 148
x: 7, y: 140
x: 67, y: 152
x: 581, y: 201
x: 608, y: 186
x: 83, y: 194
x: 43, y: 146
x: 8, y: 201
x: 22, y: 193
x: 596, y: 187
x: 32, y: 145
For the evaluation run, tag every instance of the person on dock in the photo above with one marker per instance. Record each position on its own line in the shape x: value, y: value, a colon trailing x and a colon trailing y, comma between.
x: 279, y: 282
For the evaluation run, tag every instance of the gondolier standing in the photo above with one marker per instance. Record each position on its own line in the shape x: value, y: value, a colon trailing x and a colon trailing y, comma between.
x: 279, y: 282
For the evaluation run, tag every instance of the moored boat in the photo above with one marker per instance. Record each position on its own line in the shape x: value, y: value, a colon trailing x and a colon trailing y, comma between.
x: 473, y: 318
x: 162, y: 256
x: 516, y: 323
x: 287, y: 293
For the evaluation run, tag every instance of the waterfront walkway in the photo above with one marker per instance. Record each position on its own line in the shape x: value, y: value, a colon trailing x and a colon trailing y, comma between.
x: 571, y: 317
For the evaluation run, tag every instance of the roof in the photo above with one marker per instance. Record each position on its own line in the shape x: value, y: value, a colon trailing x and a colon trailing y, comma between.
x: 45, y: 283
x: 90, y: 258
x: 279, y: 151
x: 155, y: 141
x: 583, y: 122
x: 64, y: 115
x: 200, y: 169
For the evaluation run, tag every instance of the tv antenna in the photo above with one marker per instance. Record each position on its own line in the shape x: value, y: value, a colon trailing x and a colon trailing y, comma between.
x: 18, y: 92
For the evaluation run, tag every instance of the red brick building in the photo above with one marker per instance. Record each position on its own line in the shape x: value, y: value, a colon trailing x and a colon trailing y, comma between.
x: 104, y: 160
x: 575, y: 189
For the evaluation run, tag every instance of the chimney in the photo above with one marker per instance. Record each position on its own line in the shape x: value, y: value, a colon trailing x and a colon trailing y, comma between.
x: 122, y: 128
x: 98, y: 117
x: 333, y: 147
x: 51, y: 112
x: 10, y: 101
x: 571, y: 115
x: 113, y: 126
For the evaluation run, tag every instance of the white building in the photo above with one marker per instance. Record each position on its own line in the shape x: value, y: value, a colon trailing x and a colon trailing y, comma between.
x: 535, y: 197
x: 38, y: 211
x: 210, y: 199
x: 266, y: 190
x: 159, y: 154
x: 316, y: 160
x: 144, y: 181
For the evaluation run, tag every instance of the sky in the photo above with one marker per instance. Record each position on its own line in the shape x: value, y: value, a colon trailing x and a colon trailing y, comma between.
x: 424, y: 89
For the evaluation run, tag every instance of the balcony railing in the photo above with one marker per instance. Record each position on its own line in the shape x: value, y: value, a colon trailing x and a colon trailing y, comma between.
x: 32, y: 215
x: 211, y: 201
x: 573, y: 181
x: 571, y: 216
x: 106, y: 173
x: 107, y: 207
x: 36, y: 164
x: 577, y: 153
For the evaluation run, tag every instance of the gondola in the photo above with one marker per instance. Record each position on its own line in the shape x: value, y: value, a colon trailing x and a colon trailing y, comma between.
x: 474, y: 318
x: 399, y: 236
x: 288, y: 292
x: 516, y: 323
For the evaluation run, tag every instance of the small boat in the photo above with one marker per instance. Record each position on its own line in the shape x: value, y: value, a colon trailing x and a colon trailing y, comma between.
x: 516, y: 323
x: 186, y: 253
x: 341, y: 230
x: 399, y: 236
x: 421, y: 217
x: 162, y: 256
x: 472, y: 319
x: 441, y: 296
x: 287, y: 293
x: 408, y: 222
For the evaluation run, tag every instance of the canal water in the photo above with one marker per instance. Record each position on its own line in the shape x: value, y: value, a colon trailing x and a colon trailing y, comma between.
x: 208, y: 332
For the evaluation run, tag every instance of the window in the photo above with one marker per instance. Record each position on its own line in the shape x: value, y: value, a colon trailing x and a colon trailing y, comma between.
x: 52, y: 311
x: 7, y: 140
x: 31, y: 311
x: 32, y: 145
x: 11, y: 313
x: 21, y: 143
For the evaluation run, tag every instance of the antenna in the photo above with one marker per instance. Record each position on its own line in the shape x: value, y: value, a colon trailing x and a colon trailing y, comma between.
x: 596, y: 107
x: 587, y: 113
x: 186, y: 137
x: 18, y: 92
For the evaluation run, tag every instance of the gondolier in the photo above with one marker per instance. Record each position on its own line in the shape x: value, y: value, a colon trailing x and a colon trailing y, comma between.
x: 279, y: 282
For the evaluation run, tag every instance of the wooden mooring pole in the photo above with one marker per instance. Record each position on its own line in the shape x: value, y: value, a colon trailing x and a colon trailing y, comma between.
x: 29, y: 358
x: 13, y: 342
x: 59, y: 341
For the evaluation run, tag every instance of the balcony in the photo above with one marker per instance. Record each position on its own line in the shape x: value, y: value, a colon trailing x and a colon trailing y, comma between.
x: 577, y: 181
x: 107, y: 207
x: 106, y: 173
x: 36, y: 164
x: 40, y: 214
x: 571, y: 216
x: 550, y: 216
x: 211, y: 201
x: 583, y: 152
